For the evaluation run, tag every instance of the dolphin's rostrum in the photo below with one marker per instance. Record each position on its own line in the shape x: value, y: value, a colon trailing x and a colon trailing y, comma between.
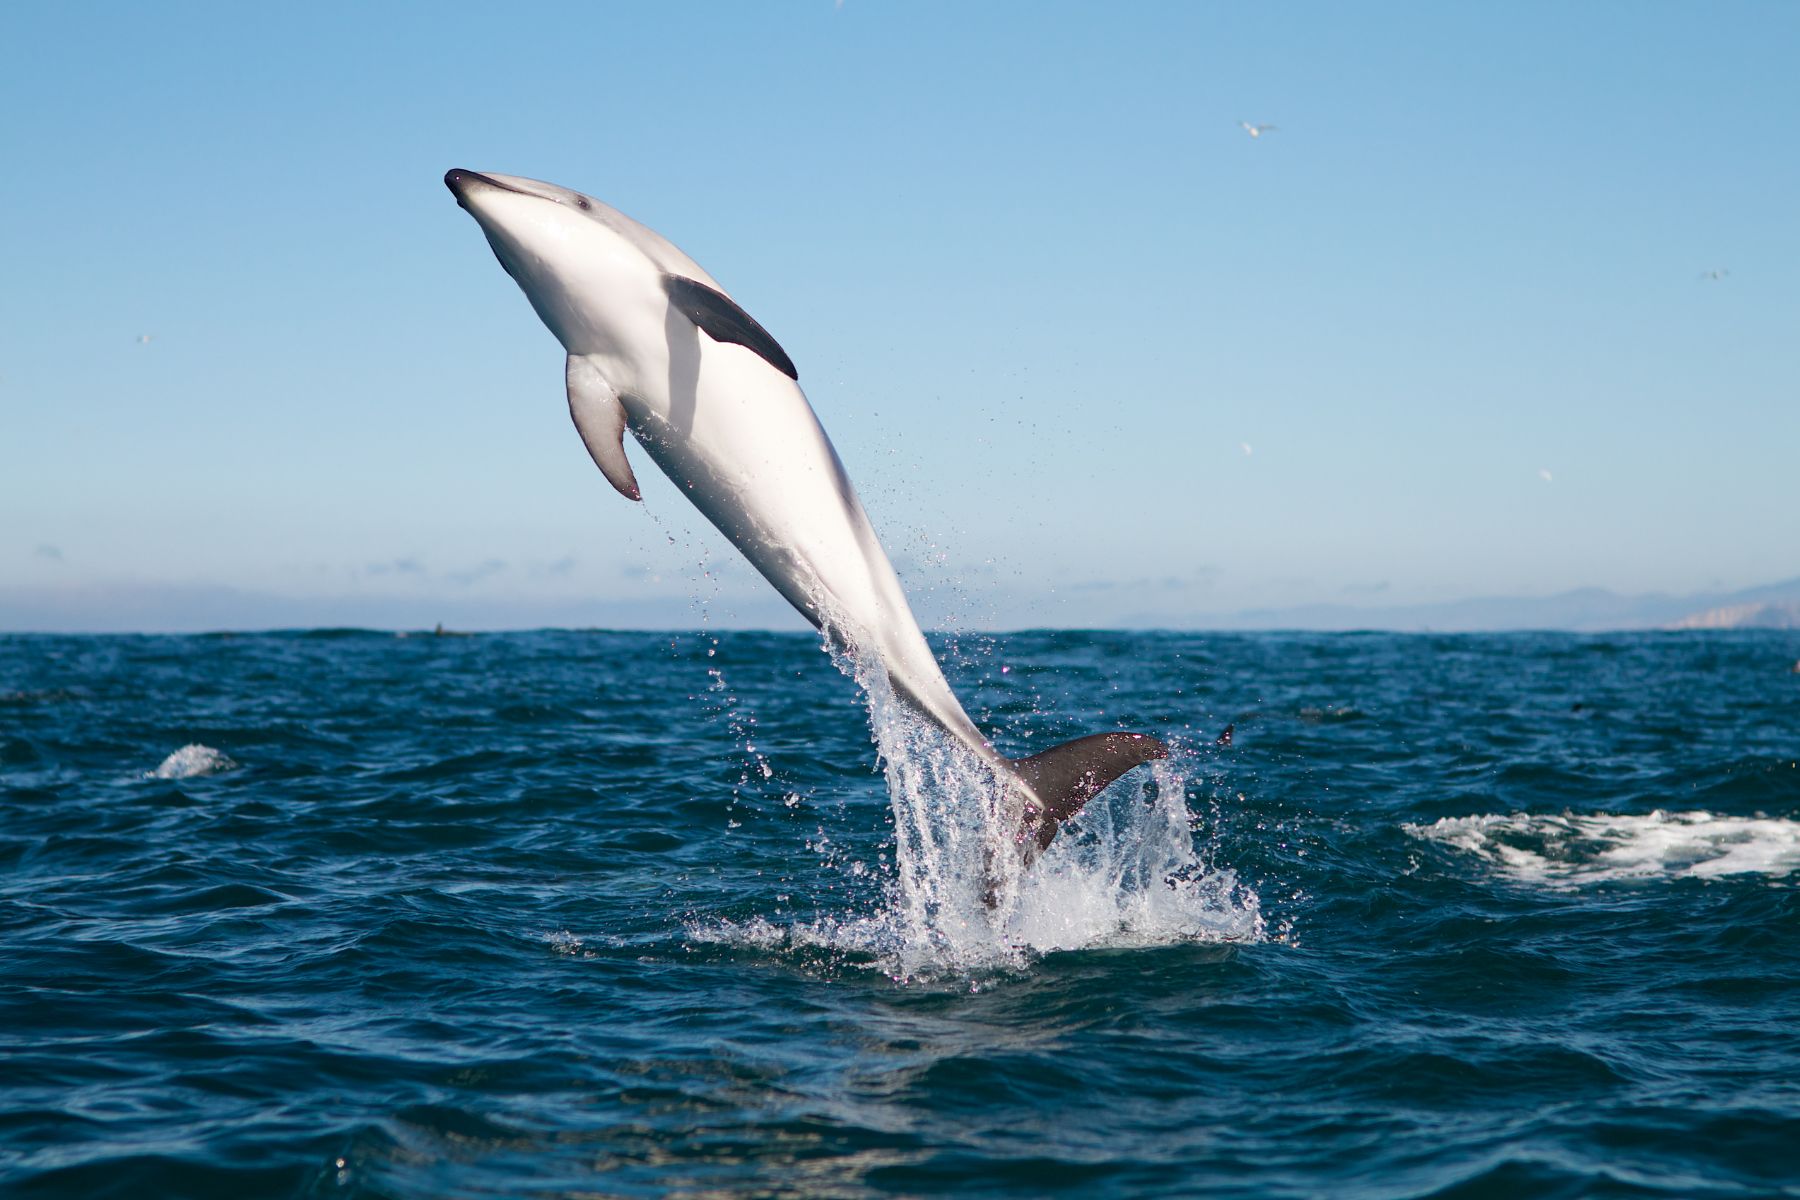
x: 656, y: 346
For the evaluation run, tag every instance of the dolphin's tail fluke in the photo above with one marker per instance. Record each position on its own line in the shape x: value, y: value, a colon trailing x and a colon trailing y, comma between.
x: 1065, y: 777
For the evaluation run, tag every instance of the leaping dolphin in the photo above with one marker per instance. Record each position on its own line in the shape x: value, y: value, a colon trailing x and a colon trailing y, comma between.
x: 656, y: 346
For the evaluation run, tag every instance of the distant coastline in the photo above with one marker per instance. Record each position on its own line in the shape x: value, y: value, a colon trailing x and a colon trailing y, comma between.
x: 1779, y: 615
x: 163, y: 608
x: 1586, y: 610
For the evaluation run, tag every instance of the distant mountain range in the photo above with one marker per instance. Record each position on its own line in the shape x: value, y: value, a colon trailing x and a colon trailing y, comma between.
x: 1586, y: 610
x: 166, y: 608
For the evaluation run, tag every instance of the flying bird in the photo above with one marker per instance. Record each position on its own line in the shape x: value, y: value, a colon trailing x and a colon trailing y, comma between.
x: 1256, y: 131
x: 1715, y: 275
x: 144, y: 338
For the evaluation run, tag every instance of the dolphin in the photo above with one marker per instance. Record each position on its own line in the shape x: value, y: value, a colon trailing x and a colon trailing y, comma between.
x: 655, y: 345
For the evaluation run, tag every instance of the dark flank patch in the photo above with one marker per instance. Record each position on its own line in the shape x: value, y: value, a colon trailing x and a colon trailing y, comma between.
x: 719, y: 317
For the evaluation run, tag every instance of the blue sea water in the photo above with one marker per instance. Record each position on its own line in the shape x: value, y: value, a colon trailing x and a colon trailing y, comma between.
x: 620, y: 914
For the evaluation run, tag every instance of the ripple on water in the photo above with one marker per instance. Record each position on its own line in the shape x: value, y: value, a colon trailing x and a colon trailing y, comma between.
x: 605, y: 914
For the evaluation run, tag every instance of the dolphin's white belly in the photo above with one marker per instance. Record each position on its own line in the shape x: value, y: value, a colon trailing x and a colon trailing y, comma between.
x: 745, y: 447
x: 655, y: 346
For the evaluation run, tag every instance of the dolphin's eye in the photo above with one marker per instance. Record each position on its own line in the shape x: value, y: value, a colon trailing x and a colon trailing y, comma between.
x: 582, y: 203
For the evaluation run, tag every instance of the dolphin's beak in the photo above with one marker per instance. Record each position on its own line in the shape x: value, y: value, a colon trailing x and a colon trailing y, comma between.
x: 463, y: 182
x: 460, y: 181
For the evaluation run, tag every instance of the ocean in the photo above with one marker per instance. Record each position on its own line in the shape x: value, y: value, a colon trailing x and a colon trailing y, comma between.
x: 345, y: 913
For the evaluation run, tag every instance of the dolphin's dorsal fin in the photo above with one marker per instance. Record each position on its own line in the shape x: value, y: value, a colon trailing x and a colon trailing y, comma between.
x: 600, y: 419
x: 1066, y: 777
x: 719, y: 317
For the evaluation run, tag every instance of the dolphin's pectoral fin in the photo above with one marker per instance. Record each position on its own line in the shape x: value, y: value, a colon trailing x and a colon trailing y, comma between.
x: 1066, y: 777
x: 719, y: 317
x: 600, y: 419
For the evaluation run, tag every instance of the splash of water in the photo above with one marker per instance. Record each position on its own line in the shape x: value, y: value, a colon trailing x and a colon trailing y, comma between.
x: 958, y: 898
x: 960, y: 901
x: 192, y: 760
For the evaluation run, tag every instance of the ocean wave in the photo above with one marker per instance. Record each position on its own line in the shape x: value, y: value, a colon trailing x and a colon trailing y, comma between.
x: 438, y: 936
x: 1571, y: 849
x: 193, y: 760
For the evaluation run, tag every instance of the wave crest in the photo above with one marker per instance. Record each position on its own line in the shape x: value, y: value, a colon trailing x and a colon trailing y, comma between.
x: 193, y: 760
x: 1569, y: 850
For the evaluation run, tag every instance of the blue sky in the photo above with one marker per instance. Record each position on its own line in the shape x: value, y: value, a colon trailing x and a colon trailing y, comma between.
x: 1042, y: 289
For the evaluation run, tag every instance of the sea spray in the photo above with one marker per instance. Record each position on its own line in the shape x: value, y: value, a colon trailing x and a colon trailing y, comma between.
x: 1127, y: 872
x: 191, y: 761
x: 1124, y: 871
x: 957, y: 898
x: 1568, y: 850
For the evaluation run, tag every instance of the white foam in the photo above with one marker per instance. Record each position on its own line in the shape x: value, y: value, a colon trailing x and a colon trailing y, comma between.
x: 1125, y: 873
x: 191, y: 760
x: 1570, y: 850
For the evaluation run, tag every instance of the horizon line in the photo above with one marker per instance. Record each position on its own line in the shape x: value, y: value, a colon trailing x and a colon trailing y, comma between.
x: 717, y: 631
